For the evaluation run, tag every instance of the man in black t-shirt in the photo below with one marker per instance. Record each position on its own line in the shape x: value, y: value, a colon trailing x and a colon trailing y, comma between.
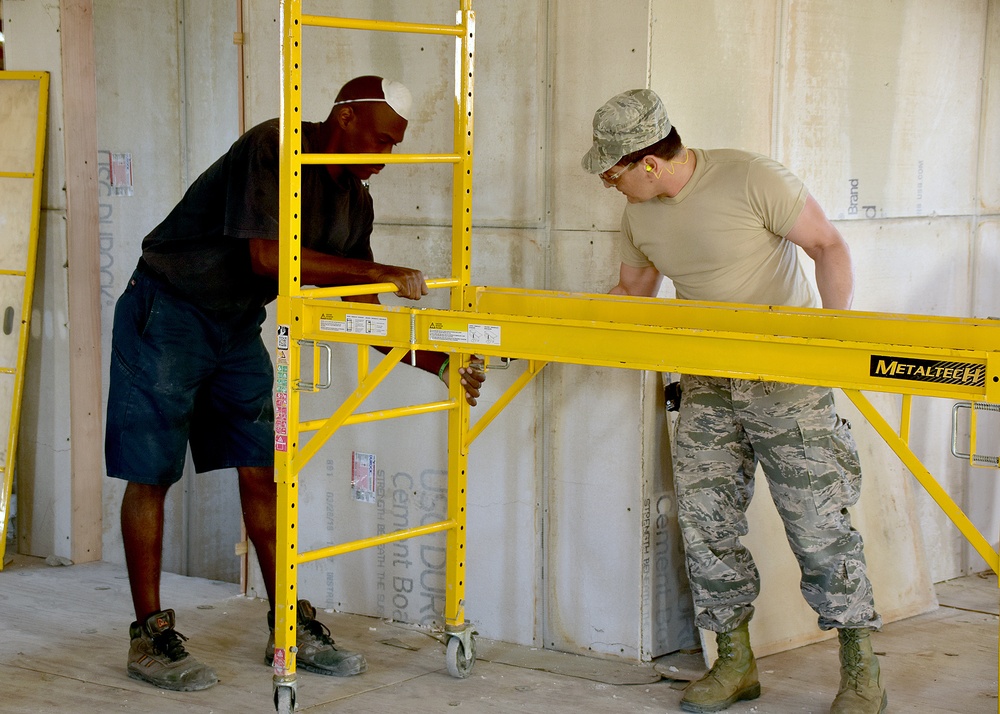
x: 188, y: 365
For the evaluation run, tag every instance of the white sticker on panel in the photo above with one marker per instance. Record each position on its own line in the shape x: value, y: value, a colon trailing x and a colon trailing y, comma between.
x: 355, y: 325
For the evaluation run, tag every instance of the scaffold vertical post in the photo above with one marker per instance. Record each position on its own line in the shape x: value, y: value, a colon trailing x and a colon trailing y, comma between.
x: 458, y: 419
x: 287, y: 356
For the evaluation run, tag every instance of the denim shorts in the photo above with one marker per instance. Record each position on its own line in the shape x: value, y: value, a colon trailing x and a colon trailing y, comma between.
x: 181, y: 375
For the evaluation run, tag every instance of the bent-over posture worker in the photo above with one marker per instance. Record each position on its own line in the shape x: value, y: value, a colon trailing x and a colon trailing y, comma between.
x: 188, y: 364
x: 724, y: 226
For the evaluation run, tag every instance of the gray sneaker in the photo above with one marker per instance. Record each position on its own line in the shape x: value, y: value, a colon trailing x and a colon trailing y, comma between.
x: 157, y: 656
x: 316, y: 652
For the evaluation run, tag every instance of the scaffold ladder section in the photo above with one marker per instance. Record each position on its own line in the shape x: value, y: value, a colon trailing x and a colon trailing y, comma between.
x: 24, y: 96
x: 291, y: 454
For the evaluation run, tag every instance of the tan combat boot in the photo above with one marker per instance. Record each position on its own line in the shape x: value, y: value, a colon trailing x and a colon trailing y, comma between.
x: 861, y: 689
x: 733, y: 676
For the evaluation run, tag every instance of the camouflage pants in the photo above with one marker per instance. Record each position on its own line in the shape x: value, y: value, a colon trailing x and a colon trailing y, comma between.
x: 725, y: 428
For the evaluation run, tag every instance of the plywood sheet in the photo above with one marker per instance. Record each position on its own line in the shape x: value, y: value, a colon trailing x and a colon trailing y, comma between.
x: 11, y: 298
x: 19, y: 119
x: 15, y: 219
x: 6, y: 397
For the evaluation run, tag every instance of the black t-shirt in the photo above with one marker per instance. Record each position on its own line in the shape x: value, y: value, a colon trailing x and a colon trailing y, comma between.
x: 201, y: 249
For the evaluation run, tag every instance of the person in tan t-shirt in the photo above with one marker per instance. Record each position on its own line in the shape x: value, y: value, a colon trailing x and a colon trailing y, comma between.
x: 724, y: 226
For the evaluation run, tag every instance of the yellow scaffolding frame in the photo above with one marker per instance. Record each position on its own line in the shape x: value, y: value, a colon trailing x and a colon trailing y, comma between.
x: 290, y: 456
x: 944, y: 357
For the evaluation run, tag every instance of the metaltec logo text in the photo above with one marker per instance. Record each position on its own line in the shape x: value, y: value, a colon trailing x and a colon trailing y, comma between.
x: 969, y: 374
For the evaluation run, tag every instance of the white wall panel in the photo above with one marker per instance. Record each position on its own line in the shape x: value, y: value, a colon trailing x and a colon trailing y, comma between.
x: 167, y: 98
x: 509, y: 100
x: 712, y: 63
x: 593, y: 55
x: 43, y: 468
x: 614, y: 584
x: 594, y: 490
x: 879, y: 104
x: 989, y: 177
x: 918, y: 266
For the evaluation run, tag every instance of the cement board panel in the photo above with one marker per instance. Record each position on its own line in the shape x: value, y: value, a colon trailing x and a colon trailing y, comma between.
x: 211, y: 82
x: 168, y: 98
x: 139, y: 85
x: 19, y: 117
x: 868, y: 95
x: 723, y: 97
x: 44, y: 472
x: 918, y: 266
x: 593, y: 532
x: 509, y: 100
x: 262, y: 56
x: 989, y: 177
x: 585, y: 261
x: 593, y: 55
x: 400, y: 581
x: 661, y: 619
x: 986, y: 264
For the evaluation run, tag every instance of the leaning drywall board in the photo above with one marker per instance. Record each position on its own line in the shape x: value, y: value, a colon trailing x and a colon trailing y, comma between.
x: 23, y: 109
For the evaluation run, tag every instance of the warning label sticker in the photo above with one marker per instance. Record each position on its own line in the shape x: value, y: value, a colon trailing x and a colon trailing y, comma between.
x: 355, y: 325
x: 363, y: 476
x: 465, y: 333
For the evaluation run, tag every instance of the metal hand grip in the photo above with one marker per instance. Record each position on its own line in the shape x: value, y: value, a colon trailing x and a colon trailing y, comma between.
x: 973, y: 458
x: 321, y: 382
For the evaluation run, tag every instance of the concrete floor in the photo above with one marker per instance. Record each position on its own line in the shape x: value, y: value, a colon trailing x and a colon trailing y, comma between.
x: 64, y: 641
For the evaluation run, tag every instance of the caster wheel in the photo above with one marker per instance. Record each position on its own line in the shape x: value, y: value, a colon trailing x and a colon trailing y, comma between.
x: 284, y: 700
x: 460, y: 661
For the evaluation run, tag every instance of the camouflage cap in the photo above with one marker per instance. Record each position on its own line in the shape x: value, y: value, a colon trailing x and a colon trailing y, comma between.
x: 628, y: 122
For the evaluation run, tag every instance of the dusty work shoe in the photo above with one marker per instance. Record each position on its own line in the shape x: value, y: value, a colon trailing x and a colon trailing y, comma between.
x: 861, y: 688
x: 316, y: 650
x: 733, y: 676
x: 157, y: 656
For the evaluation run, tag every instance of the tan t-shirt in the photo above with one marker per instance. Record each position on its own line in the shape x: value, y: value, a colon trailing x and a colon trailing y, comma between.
x: 721, y: 238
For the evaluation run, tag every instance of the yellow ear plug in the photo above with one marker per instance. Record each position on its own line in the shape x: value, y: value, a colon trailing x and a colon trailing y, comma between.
x: 648, y: 167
